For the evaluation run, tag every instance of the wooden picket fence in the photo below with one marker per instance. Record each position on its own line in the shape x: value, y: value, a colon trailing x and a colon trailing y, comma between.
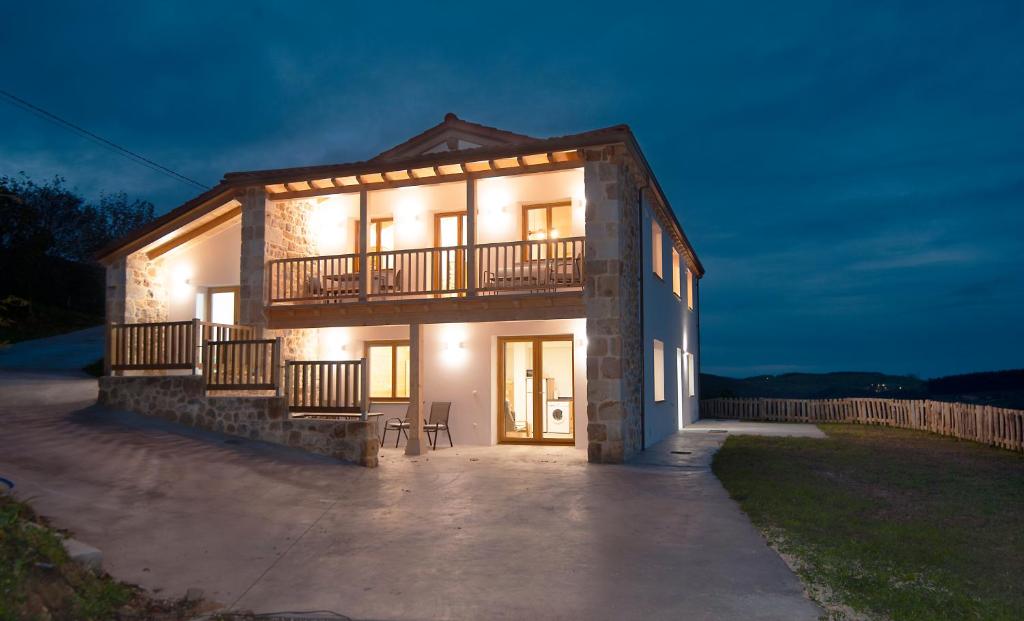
x: 1000, y: 427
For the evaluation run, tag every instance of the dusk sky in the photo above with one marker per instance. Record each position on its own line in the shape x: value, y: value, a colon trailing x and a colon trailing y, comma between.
x: 850, y: 174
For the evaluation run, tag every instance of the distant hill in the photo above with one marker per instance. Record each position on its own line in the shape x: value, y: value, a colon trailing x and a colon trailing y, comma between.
x: 999, y: 388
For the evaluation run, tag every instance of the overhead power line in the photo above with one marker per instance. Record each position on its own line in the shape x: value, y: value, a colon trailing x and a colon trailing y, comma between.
x: 135, y: 157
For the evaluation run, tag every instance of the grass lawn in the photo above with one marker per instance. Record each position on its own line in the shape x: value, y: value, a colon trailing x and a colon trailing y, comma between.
x: 39, y: 581
x: 889, y: 523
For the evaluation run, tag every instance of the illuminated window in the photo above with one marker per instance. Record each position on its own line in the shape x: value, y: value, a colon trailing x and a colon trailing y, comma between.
x: 689, y: 288
x: 659, y: 370
x: 656, y: 250
x: 389, y: 370
x: 547, y: 221
x: 691, y: 382
x: 675, y: 273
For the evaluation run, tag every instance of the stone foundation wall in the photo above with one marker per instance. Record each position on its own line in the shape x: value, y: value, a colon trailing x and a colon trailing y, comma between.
x: 612, y: 297
x: 182, y: 399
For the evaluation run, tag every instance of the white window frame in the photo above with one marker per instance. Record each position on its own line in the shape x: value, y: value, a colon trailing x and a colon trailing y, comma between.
x: 658, y: 348
x: 657, y: 250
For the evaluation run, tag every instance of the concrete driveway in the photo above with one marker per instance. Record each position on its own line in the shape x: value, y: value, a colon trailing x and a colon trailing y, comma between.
x: 481, y: 533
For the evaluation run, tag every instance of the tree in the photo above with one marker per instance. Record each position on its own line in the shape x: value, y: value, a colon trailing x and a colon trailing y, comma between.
x: 48, y: 236
x: 50, y: 219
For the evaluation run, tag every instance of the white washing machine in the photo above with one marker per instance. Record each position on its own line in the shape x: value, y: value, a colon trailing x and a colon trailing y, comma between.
x: 557, y: 418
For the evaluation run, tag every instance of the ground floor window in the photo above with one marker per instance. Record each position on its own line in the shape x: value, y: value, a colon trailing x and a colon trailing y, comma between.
x: 389, y: 370
x: 659, y: 370
x: 691, y: 382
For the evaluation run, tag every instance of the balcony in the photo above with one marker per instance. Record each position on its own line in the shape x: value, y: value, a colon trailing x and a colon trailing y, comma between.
x: 495, y: 276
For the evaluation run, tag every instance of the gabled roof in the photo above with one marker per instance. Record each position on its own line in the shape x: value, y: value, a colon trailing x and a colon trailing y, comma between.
x: 451, y: 134
x: 450, y: 142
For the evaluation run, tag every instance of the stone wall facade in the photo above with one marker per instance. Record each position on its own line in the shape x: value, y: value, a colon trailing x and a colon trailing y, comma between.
x: 274, y: 230
x: 136, y: 290
x: 182, y: 399
x: 612, y: 298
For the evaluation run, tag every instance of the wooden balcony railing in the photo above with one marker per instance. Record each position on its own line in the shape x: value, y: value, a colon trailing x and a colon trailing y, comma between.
x: 334, y: 386
x: 533, y: 265
x: 320, y: 279
x: 503, y: 267
x: 418, y: 272
x: 164, y: 345
x: 242, y: 365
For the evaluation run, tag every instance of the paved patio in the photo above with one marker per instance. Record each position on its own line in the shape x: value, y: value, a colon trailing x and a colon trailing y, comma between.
x: 464, y: 533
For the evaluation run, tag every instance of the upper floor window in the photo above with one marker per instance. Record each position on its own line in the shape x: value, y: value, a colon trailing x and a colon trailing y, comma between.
x: 656, y: 257
x: 659, y: 370
x: 389, y: 370
x: 689, y: 288
x: 675, y: 273
x: 547, y: 221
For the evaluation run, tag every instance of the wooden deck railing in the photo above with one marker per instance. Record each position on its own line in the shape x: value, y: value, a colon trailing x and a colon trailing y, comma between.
x: 224, y: 331
x: 164, y: 345
x: 533, y: 265
x: 151, y: 346
x: 242, y: 365
x: 336, y: 386
x: 514, y: 267
x: 980, y: 423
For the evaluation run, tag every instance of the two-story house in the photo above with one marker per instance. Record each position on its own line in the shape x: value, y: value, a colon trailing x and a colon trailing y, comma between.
x: 542, y: 286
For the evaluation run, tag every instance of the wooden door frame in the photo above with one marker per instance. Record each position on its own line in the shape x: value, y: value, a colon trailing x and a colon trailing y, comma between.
x: 208, y: 301
x: 538, y: 405
x: 460, y: 259
x: 373, y: 222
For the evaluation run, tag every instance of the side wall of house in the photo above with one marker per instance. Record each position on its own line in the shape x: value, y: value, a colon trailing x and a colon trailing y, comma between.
x: 612, y: 298
x: 668, y: 319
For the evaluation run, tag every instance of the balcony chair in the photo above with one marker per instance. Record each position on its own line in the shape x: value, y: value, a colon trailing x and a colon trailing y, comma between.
x: 387, y: 280
x: 399, y: 425
x: 565, y: 276
x: 438, y: 422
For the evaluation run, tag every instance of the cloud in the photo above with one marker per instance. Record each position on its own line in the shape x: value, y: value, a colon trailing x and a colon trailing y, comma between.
x: 847, y: 172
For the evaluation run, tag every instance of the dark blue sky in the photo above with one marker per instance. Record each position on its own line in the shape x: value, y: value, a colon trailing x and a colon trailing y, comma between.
x: 851, y: 174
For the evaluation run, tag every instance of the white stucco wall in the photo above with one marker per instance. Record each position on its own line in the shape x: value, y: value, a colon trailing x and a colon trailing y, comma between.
x: 666, y: 318
x: 500, y: 202
x: 413, y: 210
x: 211, y: 261
x: 465, y: 374
x: 334, y: 223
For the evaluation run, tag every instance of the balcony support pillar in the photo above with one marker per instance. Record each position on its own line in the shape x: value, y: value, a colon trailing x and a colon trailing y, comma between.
x: 414, y: 446
x: 471, y: 280
x: 364, y: 227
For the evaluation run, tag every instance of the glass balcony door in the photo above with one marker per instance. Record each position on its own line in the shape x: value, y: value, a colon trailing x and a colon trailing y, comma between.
x: 536, y: 394
x: 449, y: 267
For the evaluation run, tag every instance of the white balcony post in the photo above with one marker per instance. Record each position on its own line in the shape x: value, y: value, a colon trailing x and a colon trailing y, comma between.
x: 471, y: 237
x: 364, y: 226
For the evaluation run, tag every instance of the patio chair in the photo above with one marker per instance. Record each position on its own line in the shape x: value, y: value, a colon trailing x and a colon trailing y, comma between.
x: 399, y: 425
x: 438, y: 422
